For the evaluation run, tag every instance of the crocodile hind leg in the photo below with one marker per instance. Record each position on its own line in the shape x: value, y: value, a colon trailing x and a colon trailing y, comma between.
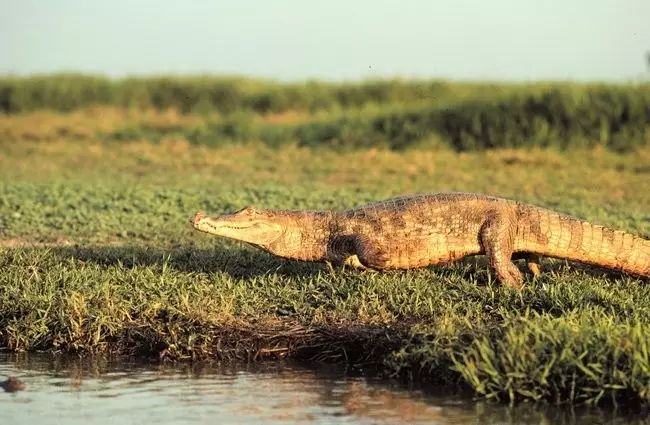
x: 532, y: 262
x: 497, y: 239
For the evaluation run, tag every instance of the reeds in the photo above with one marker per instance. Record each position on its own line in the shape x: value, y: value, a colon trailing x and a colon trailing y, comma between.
x: 394, y: 114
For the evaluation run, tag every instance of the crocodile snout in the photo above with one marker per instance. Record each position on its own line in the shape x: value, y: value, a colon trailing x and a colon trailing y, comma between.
x: 197, y: 218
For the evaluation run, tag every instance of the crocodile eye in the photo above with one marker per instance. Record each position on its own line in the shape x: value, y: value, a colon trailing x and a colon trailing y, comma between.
x: 248, y: 210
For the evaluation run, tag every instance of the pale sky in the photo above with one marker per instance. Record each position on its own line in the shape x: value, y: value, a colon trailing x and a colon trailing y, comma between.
x: 330, y: 39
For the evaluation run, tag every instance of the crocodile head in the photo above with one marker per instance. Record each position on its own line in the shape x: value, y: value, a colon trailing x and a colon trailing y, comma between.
x: 257, y: 227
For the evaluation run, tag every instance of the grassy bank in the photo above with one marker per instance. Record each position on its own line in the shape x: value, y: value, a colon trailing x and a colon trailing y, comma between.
x: 96, y: 256
x: 390, y: 114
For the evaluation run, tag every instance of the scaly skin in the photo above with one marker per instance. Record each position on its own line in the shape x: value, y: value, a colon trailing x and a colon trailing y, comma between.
x: 427, y: 229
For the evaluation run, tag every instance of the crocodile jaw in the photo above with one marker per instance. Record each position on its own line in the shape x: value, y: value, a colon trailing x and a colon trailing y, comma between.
x: 238, y: 226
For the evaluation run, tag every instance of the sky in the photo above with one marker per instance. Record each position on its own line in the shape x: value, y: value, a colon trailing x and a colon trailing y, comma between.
x: 522, y: 40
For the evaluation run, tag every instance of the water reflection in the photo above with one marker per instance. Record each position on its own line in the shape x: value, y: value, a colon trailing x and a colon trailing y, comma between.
x: 65, y: 390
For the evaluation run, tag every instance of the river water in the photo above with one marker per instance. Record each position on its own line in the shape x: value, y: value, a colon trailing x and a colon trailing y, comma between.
x: 65, y: 390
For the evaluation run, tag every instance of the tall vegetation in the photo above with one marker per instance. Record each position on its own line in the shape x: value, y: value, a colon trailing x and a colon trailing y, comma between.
x: 395, y: 114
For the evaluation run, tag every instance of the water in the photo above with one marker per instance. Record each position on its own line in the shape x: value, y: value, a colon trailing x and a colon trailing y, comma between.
x: 64, y: 390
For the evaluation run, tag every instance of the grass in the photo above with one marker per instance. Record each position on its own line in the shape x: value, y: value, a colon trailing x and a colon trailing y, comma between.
x: 97, y: 256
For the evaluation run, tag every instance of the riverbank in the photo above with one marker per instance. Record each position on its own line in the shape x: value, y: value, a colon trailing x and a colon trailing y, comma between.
x: 96, y: 256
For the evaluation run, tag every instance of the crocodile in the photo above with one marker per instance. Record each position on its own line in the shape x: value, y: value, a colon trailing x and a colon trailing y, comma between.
x: 434, y: 228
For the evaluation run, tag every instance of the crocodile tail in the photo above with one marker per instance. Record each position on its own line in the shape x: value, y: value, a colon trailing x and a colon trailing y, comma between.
x: 552, y: 234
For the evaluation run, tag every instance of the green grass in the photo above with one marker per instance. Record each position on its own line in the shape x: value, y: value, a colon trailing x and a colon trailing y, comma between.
x: 97, y: 256
x: 575, y: 335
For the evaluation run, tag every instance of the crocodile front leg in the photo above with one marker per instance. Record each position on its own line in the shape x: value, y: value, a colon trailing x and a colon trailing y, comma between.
x: 353, y: 261
x: 354, y: 251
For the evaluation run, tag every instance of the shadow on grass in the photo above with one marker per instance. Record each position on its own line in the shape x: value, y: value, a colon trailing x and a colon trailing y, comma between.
x: 235, y: 261
x: 477, y: 269
x: 239, y: 262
